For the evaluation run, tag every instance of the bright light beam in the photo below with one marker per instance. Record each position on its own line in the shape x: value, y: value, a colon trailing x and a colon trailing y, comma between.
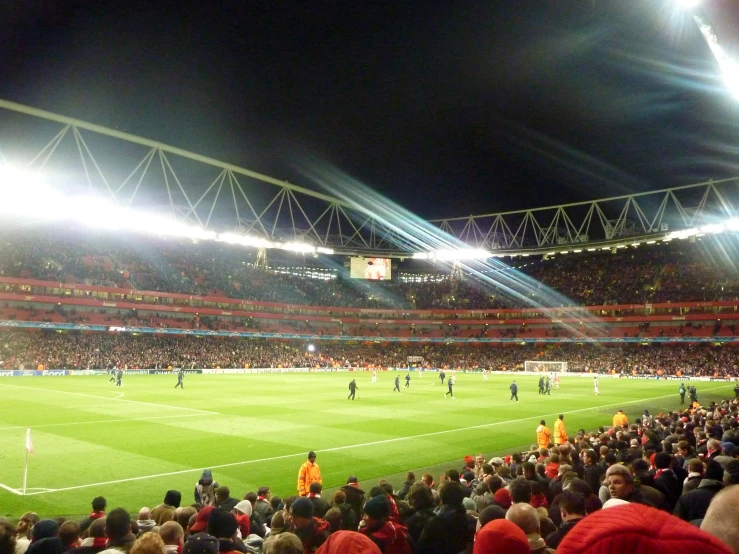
x: 729, y: 68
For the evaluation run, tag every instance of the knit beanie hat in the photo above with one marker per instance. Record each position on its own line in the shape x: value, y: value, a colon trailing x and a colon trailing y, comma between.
x: 45, y: 529
x: 348, y: 542
x: 201, y: 543
x: 501, y: 536
x: 638, y: 529
x: 222, y: 524
x: 302, y: 507
x: 377, y: 507
x: 503, y: 498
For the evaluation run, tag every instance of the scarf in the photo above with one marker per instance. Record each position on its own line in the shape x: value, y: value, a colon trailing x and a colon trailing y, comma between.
x: 314, y: 495
x: 97, y: 515
x: 96, y: 542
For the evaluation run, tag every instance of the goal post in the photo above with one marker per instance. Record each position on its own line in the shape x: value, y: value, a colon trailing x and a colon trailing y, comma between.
x: 545, y: 367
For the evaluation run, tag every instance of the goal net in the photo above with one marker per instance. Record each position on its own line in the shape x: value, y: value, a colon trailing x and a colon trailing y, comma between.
x: 545, y: 367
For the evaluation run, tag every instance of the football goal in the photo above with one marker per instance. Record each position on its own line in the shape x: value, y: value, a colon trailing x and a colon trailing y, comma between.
x: 545, y: 367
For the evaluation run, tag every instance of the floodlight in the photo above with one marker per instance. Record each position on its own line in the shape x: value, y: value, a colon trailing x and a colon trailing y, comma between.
x: 688, y: 4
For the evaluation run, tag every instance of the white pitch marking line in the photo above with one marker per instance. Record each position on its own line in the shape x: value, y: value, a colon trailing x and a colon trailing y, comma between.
x: 11, y: 489
x: 96, y: 422
x: 119, y: 398
x: 351, y: 446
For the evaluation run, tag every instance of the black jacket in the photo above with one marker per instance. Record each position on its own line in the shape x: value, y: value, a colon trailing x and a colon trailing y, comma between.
x: 694, y: 504
x: 553, y: 539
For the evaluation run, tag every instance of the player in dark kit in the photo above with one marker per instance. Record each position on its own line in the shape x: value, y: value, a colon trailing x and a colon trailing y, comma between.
x: 180, y: 376
x: 450, y: 384
x: 681, y: 390
x: 442, y: 376
x: 514, y: 391
x: 397, y: 383
x: 112, y: 372
x: 408, y: 380
x: 541, y: 385
x: 547, y: 388
x: 118, y: 378
x: 352, y: 389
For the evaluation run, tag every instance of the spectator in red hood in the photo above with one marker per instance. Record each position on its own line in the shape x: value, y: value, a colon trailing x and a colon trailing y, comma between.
x: 388, y: 536
x: 312, y: 532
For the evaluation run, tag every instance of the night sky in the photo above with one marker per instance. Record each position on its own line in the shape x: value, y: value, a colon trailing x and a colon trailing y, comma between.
x: 449, y: 108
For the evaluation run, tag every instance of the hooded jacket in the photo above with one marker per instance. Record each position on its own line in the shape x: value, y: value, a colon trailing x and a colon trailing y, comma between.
x: 543, y: 436
x: 348, y: 542
x: 165, y: 511
x: 205, y: 489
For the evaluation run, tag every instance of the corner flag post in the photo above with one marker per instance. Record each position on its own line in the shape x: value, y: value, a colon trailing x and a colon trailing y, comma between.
x: 29, y: 450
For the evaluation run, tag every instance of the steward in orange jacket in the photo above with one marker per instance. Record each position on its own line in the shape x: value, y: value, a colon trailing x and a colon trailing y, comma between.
x: 309, y: 473
x: 543, y: 434
x: 620, y: 420
x: 560, y: 433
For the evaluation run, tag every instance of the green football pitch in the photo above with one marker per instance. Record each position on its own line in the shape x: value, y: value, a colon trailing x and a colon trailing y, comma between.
x: 131, y: 444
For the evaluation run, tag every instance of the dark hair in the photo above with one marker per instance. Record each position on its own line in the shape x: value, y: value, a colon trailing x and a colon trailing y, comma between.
x: 731, y: 472
x: 7, y: 538
x: 529, y: 466
x: 451, y: 493
x: 662, y: 460
x: 520, y: 489
x: 452, y: 475
x: 69, y: 532
x: 377, y: 491
x: 387, y: 487
x: 572, y: 502
x: 420, y: 496
x: 251, y: 497
x: 315, y: 487
x: 99, y: 503
x: 640, y: 465
x: 117, y: 524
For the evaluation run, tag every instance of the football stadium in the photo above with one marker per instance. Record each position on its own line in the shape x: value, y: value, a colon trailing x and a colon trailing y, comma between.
x: 197, y: 356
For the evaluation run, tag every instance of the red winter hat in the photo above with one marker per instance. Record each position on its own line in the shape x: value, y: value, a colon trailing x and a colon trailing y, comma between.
x: 348, y: 542
x: 201, y: 521
x: 637, y: 529
x: 501, y: 536
x: 503, y: 498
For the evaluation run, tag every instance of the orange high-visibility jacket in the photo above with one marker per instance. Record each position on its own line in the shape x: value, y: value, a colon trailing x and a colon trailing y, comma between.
x: 543, y: 436
x: 560, y: 433
x: 309, y: 473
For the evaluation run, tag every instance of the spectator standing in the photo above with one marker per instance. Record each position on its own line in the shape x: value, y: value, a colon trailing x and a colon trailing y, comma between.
x: 309, y: 473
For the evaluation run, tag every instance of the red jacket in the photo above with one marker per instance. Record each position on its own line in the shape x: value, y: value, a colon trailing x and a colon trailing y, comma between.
x: 391, y: 538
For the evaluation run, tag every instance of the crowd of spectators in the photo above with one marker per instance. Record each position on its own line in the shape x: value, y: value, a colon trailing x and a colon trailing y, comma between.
x: 53, y: 350
x: 665, y: 483
x: 678, y: 271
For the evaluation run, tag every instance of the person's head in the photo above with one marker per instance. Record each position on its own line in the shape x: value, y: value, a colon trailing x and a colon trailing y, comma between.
x: 731, y: 473
x: 620, y: 482
x: 264, y: 493
x: 148, y: 543
x: 97, y: 528
x: 561, y: 416
x: 201, y: 543
x: 69, y: 533
x: 525, y: 516
x: 501, y: 536
x: 7, y: 537
x: 98, y: 504
x: 376, y: 509
x: 452, y: 475
x: 117, y: 524
x: 315, y: 488
x: 420, y: 497
x: 520, y: 490
x: 172, y: 533
x: 44, y: 529
x: 27, y: 521
x: 286, y: 543
x: 312, y: 457
x: 222, y: 524
x: 244, y: 507
x: 144, y: 514
x: 183, y: 518
x: 479, y: 460
x: 696, y: 466
x: 662, y: 460
x: 529, y: 470
x: 302, y: 512
x: 451, y: 493
x: 720, y: 519
x: 428, y: 479
x: 222, y: 494
x: 571, y: 505
x: 278, y: 520
x: 334, y: 517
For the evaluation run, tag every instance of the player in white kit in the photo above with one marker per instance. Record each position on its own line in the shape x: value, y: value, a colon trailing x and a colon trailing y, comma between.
x: 595, y: 386
x: 374, y: 376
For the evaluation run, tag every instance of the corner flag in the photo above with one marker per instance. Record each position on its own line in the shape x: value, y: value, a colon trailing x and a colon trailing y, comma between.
x: 29, y: 444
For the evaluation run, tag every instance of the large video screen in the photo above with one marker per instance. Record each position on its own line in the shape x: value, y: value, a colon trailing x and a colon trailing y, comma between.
x: 375, y: 269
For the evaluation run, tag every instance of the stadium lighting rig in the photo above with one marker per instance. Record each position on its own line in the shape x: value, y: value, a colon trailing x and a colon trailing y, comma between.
x: 18, y: 186
x: 454, y: 255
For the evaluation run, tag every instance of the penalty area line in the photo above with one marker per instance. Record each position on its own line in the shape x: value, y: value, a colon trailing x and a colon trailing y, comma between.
x: 98, y: 421
x: 347, y: 447
x: 11, y: 489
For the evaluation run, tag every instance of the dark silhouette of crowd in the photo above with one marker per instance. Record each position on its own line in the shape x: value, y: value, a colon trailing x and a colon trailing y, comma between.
x: 666, y: 483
